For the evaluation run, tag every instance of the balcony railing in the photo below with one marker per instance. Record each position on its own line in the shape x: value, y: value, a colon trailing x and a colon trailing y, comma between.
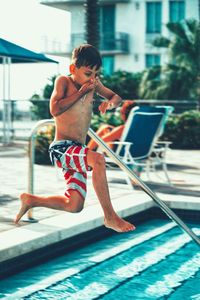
x: 55, y: 47
x: 117, y: 42
x: 73, y: 2
x: 150, y: 37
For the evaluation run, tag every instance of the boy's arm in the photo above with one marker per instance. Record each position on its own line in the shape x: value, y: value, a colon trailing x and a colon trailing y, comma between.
x: 59, y: 103
x: 114, y: 100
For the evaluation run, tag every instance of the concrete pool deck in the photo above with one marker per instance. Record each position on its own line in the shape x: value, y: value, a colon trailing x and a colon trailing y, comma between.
x: 55, y: 226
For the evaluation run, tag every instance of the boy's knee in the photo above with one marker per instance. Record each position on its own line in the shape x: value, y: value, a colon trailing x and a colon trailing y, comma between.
x: 76, y: 202
x: 77, y: 207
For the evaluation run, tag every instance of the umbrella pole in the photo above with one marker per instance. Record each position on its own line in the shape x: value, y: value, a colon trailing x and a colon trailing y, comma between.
x: 7, y: 126
x: 9, y: 106
x: 4, y: 101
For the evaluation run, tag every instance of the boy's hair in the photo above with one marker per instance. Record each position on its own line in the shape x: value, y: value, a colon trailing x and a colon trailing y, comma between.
x: 86, y: 55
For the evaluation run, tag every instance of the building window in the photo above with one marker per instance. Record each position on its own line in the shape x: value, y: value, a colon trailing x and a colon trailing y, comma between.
x: 153, y: 17
x: 176, y: 11
x: 152, y: 60
x: 108, y: 65
x: 107, y: 27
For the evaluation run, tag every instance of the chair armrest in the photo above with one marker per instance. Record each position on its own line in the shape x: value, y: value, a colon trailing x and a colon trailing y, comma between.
x: 120, y: 143
x: 163, y: 143
x: 127, y: 158
x: 160, y: 148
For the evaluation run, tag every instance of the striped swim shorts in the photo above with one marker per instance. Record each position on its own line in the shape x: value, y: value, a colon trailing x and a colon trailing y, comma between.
x: 71, y: 157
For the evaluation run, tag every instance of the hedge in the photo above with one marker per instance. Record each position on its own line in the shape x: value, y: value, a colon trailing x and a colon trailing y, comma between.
x: 182, y: 130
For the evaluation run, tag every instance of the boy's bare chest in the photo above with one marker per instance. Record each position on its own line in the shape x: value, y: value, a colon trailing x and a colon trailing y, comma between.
x: 79, y: 113
x: 84, y: 104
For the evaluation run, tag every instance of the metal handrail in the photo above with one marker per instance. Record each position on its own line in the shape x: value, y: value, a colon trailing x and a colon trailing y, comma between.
x: 121, y: 164
x: 31, y: 151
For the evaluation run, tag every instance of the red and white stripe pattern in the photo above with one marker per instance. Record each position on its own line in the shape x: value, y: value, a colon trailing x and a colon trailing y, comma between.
x: 74, y: 164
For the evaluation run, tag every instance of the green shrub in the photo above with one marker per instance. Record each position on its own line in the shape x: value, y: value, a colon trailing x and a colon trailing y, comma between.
x: 40, y: 109
x: 110, y: 118
x: 183, y: 130
x: 40, y: 103
x: 43, y: 139
x: 124, y: 83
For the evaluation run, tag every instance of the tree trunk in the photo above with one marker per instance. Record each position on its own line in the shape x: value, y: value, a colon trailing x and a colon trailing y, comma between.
x: 199, y: 10
x: 198, y: 47
x: 197, y: 82
x: 92, y: 22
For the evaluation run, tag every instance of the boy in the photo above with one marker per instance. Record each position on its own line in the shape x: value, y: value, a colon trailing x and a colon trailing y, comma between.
x: 71, y: 106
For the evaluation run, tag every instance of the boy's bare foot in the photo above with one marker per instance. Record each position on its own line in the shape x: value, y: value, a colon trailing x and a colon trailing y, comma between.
x: 118, y: 224
x: 25, y: 206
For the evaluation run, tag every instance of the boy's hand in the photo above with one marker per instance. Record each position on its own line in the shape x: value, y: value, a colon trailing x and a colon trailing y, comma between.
x: 87, y: 87
x: 106, y: 105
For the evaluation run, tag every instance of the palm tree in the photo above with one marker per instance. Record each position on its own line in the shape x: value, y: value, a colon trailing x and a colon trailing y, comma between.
x: 177, y: 79
x: 199, y: 10
x: 92, y: 22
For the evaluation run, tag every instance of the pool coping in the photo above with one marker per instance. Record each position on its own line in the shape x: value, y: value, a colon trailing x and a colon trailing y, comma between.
x: 22, y: 240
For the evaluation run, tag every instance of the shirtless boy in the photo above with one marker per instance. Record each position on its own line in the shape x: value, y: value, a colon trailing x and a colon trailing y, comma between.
x: 71, y: 106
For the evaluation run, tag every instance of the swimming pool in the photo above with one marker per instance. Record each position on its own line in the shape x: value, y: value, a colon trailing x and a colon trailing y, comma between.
x: 157, y: 261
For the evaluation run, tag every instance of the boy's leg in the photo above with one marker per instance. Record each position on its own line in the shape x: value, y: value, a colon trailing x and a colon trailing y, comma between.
x: 112, y: 220
x: 73, y: 204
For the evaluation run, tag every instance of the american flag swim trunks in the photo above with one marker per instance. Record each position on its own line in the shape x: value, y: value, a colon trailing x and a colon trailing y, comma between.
x: 71, y: 157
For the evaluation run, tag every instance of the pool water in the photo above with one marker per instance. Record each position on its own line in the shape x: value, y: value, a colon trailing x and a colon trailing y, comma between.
x: 157, y: 261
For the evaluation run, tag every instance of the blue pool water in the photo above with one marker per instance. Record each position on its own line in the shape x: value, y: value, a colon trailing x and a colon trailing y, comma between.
x: 157, y: 261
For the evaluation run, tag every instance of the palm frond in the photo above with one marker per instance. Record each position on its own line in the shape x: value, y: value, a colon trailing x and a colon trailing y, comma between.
x: 192, y: 25
x: 161, y: 42
x: 177, y: 79
x: 197, y: 48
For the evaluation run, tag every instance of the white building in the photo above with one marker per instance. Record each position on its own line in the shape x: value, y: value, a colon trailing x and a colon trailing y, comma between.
x: 127, y: 28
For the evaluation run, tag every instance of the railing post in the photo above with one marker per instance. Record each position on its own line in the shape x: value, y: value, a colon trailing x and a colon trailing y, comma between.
x: 31, y: 153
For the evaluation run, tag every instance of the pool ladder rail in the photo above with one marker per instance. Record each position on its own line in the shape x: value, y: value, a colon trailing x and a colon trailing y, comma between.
x: 116, y: 159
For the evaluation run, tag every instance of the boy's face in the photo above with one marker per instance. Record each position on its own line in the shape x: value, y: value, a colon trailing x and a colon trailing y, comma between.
x: 84, y: 74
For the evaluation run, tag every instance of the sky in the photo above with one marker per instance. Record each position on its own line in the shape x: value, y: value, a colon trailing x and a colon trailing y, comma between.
x: 28, y: 24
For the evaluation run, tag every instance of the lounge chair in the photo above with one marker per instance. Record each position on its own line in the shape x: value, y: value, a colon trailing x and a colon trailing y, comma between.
x: 165, y: 109
x: 137, y: 146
